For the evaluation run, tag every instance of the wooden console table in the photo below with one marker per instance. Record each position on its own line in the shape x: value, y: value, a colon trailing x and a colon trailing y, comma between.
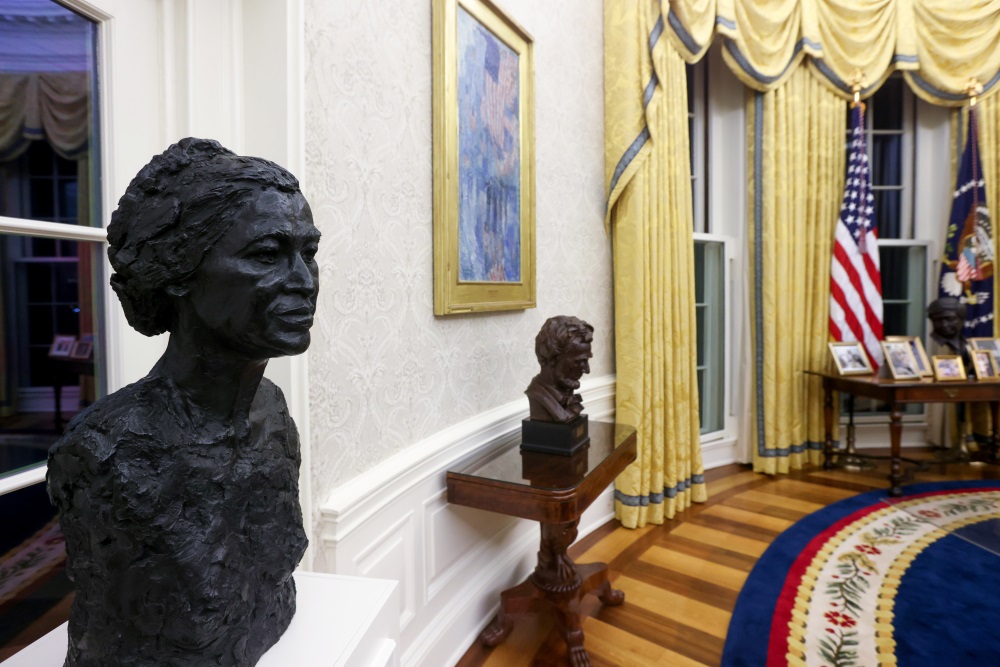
x: 898, y: 393
x: 553, y: 490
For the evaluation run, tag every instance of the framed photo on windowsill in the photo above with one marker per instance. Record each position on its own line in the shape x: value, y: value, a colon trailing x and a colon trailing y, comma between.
x: 850, y: 358
x: 919, y: 354
x: 62, y: 346
x: 484, y: 163
x: 948, y: 368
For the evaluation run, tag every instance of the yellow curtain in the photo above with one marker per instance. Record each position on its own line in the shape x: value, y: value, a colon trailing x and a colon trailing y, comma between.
x: 939, y: 43
x: 796, y: 138
x: 650, y: 215
x: 988, y: 118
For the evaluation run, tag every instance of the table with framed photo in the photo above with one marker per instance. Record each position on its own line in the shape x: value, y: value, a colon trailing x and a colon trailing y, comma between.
x: 897, y: 393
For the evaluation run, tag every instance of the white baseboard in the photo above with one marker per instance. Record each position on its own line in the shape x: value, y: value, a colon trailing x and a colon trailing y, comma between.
x: 394, y: 522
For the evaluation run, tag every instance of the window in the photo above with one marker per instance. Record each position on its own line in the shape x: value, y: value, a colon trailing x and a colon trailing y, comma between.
x: 51, y: 290
x: 889, y: 130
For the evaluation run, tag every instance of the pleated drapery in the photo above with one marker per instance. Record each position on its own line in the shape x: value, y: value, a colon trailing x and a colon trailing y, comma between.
x: 650, y: 217
x: 49, y: 106
x: 796, y: 166
x: 940, y: 44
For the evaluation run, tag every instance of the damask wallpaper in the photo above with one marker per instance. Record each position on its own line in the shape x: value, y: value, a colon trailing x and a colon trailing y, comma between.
x: 384, y: 372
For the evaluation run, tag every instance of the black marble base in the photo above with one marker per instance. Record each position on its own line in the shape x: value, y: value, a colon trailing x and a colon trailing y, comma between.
x: 553, y: 437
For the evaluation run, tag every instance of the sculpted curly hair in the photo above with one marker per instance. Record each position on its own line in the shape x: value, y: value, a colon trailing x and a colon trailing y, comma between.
x: 175, y: 209
x: 556, y: 335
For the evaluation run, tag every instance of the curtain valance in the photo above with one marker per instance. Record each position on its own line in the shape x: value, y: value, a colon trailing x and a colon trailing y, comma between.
x: 940, y: 44
x: 53, y: 106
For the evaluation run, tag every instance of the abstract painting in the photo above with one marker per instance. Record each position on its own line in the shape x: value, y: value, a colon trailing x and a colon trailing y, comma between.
x: 484, y: 164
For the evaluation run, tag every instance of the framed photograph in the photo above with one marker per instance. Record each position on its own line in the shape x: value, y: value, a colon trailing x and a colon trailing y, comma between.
x: 948, y: 367
x: 985, y: 364
x: 62, y: 346
x: 991, y: 344
x: 82, y: 349
x: 919, y: 353
x: 900, y: 360
x: 850, y: 358
x: 484, y: 163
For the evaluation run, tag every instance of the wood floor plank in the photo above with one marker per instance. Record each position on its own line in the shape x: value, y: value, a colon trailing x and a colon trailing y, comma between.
x: 696, y: 588
x: 744, y: 545
x: 614, y: 544
x: 685, y: 640
x: 769, y: 496
x: 695, y: 567
x: 621, y: 647
x: 735, y: 527
x: 674, y: 607
x: 718, y: 486
x: 715, y: 553
x: 771, y: 523
x: 743, y: 502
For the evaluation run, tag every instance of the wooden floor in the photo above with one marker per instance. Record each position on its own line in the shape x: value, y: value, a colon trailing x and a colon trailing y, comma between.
x: 681, y: 579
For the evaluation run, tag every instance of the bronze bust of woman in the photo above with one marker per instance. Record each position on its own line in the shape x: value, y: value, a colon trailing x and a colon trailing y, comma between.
x: 178, y: 494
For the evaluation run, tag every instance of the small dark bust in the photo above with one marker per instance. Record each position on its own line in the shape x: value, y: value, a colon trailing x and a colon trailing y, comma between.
x: 947, y: 316
x: 563, y: 350
x: 178, y: 494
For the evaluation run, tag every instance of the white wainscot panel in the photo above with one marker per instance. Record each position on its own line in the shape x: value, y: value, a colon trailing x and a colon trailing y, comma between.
x: 452, y: 562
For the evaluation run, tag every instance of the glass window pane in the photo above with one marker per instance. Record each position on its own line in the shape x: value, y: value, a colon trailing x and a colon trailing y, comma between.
x: 50, y: 50
x: 887, y: 105
x: 888, y: 213
x: 710, y: 322
x: 886, y: 151
x: 40, y: 301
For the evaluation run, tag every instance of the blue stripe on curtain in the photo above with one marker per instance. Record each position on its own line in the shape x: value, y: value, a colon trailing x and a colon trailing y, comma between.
x: 686, y: 39
x: 944, y: 95
x: 758, y: 264
x: 748, y: 68
x: 647, y: 95
x: 658, y: 498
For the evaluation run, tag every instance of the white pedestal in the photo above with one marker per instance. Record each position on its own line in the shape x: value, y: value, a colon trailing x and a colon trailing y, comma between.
x: 339, y: 622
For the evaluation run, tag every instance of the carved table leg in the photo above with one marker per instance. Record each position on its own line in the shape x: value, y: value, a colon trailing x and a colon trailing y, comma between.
x: 557, y: 584
x: 895, y: 436
x: 828, y: 425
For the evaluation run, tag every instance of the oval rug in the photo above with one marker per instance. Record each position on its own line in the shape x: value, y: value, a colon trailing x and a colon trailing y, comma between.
x: 871, y: 581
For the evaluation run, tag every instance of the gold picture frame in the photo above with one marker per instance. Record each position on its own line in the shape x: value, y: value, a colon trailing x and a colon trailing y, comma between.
x: 850, y: 358
x: 919, y: 354
x: 991, y: 344
x: 900, y: 359
x: 984, y: 363
x: 484, y: 159
x: 948, y: 368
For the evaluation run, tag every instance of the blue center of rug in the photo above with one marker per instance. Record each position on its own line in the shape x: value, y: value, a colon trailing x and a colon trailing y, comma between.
x: 947, y: 611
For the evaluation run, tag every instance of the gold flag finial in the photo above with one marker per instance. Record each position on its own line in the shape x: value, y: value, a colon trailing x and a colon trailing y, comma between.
x: 973, y: 89
x: 858, y: 82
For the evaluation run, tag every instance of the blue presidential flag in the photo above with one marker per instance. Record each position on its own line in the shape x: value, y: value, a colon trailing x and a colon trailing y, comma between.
x: 967, y: 265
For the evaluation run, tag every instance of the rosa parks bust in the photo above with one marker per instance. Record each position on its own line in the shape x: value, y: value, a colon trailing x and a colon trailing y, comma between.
x: 178, y: 494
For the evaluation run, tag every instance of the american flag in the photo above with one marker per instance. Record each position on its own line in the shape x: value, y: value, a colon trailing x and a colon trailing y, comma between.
x: 855, y: 280
x: 967, y: 265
